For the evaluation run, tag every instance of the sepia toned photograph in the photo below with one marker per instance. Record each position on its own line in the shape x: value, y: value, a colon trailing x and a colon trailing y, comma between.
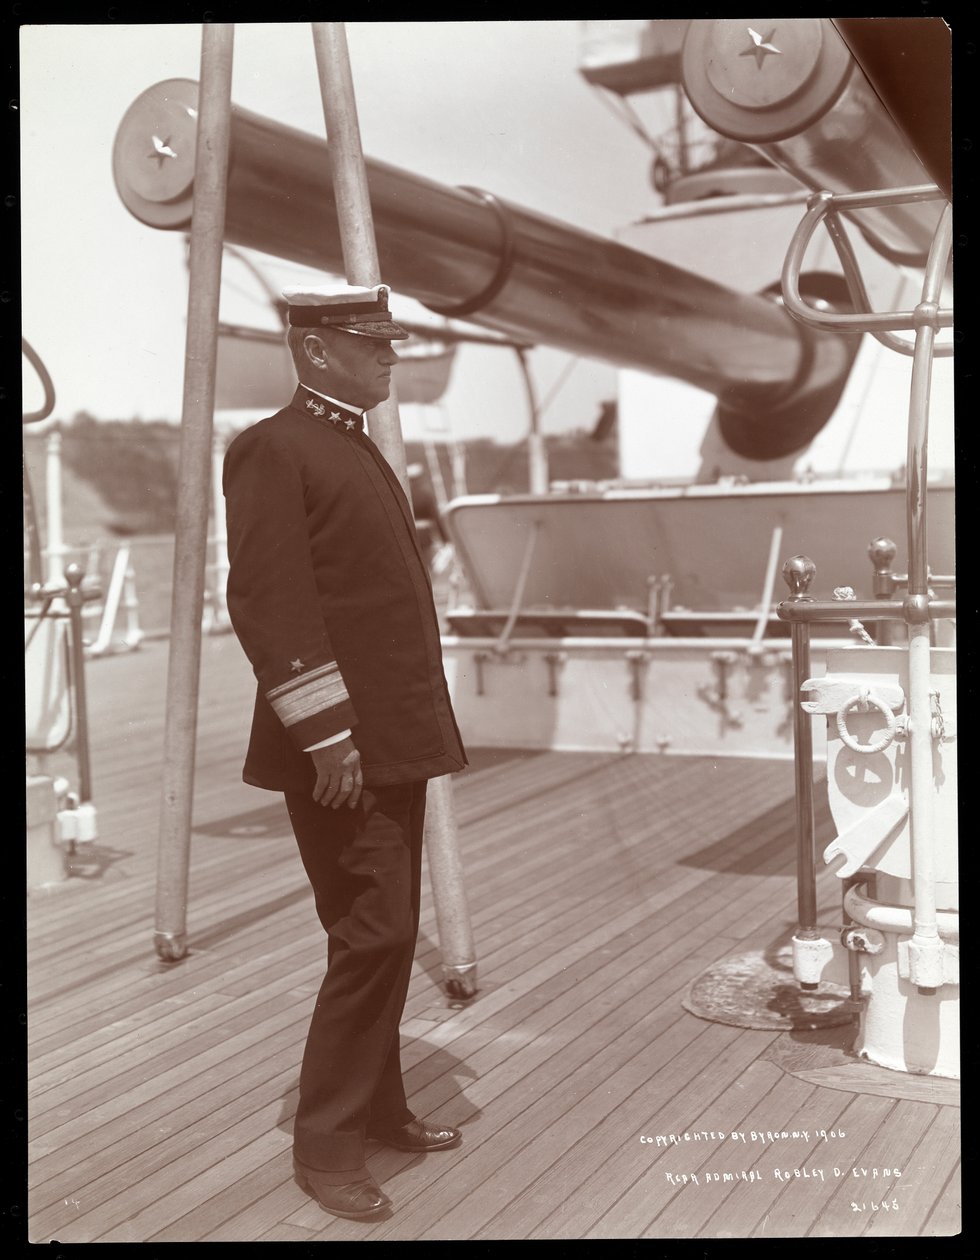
x: 490, y: 629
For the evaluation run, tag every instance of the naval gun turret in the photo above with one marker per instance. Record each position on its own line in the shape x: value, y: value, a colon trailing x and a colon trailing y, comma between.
x: 470, y: 254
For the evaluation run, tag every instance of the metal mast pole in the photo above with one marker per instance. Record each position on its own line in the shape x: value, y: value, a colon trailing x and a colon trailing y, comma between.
x: 362, y: 267
x: 193, y: 496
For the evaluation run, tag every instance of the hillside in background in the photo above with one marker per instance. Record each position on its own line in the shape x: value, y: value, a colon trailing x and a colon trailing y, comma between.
x: 120, y: 476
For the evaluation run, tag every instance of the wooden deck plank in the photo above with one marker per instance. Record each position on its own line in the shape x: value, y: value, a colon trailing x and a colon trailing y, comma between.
x: 113, y: 1104
x: 84, y: 1030
x: 933, y: 1162
x: 736, y: 1214
x: 644, y: 1183
x: 946, y: 1216
x: 285, y: 1233
x: 495, y: 1138
x: 599, y: 886
x: 802, y: 1201
x: 872, y: 1179
x: 203, y: 911
x: 640, y: 940
x: 198, y: 1203
x: 687, y: 1212
x: 122, y: 1038
x: 110, y: 1141
x: 591, y: 1134
x: 205, y: 1034
x: 657, y: 1203
x: 275, y: 1196
x: 600, y: 978
x: 149, y: 1165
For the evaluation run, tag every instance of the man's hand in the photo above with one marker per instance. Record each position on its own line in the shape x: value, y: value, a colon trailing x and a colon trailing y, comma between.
x: 338, y: 774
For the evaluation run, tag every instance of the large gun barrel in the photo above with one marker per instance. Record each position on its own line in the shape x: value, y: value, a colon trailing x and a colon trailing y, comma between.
x: 792, y: 89
x: 468, y: 253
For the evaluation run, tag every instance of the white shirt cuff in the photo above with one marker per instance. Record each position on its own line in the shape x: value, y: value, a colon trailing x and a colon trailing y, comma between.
x: 325, y: 743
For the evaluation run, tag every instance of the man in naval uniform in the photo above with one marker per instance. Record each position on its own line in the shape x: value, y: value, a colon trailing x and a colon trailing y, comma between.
x: 330, y: 598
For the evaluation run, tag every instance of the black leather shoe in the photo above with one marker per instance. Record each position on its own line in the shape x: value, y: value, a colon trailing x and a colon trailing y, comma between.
x: 417, y: 1136
x: 356, y: 1201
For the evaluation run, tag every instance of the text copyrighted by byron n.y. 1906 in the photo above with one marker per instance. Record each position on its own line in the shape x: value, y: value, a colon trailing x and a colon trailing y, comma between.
x: 865, y: 1179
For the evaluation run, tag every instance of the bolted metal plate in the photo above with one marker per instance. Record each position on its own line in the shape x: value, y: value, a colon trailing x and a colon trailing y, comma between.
x: 758, y: 990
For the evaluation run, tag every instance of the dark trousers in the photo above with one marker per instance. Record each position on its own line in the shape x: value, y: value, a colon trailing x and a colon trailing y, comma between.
x: 365, y: 867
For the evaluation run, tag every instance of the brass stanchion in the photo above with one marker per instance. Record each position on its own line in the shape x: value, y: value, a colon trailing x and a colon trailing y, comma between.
x: 798, y: 573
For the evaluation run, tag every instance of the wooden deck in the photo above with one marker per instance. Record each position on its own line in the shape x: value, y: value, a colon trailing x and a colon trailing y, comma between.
x: 161, y: 1096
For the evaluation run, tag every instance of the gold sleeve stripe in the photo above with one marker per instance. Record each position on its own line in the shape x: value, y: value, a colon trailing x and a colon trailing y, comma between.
x: 301, y: 698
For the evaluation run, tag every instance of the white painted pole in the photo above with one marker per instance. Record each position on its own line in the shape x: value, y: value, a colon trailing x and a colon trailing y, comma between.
x: 925, y: 949
x: 55, y: 549
x: 362, y: 267
x: 193, y: 493
x: 220, y: 534
x: 354, y: 214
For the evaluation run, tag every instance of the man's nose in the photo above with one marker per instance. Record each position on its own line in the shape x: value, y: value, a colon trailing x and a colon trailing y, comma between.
x: 389, y: 355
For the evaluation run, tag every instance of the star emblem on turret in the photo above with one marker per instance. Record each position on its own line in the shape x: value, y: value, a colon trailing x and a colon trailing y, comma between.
x: 297, y: 666
x: 161, y: 149
x: 762, y: 46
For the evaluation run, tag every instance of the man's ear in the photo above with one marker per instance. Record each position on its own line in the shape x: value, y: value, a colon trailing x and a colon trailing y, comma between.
x: 315, y: 350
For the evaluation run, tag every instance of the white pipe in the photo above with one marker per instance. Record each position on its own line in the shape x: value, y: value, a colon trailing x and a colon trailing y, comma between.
x: 515, y: 608
x: 134, y: 633
x: 221, y: 564
x: 896, y: 919
x: 537, y: 462
x: 925, y: 948
x: 724, y: 205
x: 435, y: 474
x: 111, y: 606
x: 618, y: 645
x: 55, y: 549
x: 772, y: 568
x: 459, y: 469
x: 921, y: 791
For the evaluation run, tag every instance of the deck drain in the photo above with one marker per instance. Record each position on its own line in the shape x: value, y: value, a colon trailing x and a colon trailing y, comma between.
x: 758, y: 990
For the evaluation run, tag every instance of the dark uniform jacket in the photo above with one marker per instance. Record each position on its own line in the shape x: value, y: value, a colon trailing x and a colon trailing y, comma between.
x: 331, y: 600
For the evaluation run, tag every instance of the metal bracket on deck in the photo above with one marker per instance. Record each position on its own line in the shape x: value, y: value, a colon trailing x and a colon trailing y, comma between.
x: 637, y: 659
x: 863, y: 838
x: 170, y: 946
x: 717, y: 698
x: 478, y: 659
x: 459, y: 980
x: 507, y: 657
x: 945, y: 963
x: 554, y: 661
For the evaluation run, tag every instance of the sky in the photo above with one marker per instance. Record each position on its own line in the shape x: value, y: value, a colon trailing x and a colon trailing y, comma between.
x: 497, y: 105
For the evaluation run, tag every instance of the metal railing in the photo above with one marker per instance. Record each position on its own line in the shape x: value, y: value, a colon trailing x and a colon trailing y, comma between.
x: 919, y: 608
